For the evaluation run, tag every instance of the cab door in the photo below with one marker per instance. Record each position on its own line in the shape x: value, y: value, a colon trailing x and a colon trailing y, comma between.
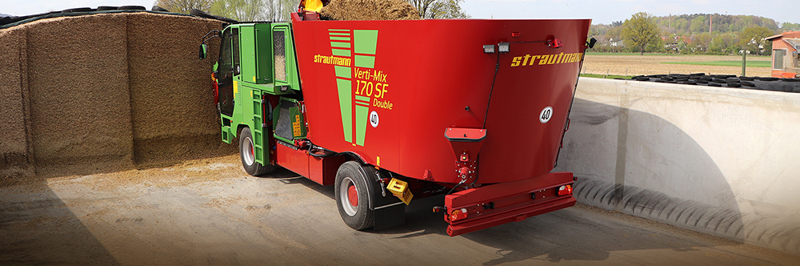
x: 228, y: 70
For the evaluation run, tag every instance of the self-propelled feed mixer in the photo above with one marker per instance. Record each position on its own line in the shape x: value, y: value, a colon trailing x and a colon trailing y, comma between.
x: 392, y: 111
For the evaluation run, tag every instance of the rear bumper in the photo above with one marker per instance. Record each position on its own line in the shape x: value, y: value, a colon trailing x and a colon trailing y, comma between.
x: 501, y: 203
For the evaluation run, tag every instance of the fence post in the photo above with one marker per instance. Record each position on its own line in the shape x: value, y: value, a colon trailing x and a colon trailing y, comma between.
x: 744, y: 61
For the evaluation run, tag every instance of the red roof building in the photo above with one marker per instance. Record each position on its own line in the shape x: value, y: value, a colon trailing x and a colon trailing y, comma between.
x: 785, y: 58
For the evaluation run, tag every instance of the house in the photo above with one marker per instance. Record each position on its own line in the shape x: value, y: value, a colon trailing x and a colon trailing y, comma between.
x: 617, y: 43
x: 785, y: 58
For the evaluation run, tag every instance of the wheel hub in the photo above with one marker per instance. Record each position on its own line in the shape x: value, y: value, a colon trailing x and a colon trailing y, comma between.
x: 348, y: 198
x: 352, y: 195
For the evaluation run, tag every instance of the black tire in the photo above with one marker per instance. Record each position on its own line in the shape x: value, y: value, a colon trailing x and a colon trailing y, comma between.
x: 9, y: 20
x: 79, y: 9
x: 132, y: 8
x: 198, y: 13
x: 159, y: 9
x: 353, y: 178
x: 248, y: 159
x: 229, y: 20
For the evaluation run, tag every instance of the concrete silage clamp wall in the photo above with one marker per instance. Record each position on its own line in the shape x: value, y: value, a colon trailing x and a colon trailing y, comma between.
x: 721, y: 161
x: 104, y: 92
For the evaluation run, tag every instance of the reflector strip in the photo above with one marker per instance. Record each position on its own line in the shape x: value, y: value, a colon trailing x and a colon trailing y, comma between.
x: 340, y: 52
x: 340, y: 44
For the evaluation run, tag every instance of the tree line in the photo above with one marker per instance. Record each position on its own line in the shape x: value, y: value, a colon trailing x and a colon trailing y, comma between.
x: 689, y: 34
x: 279, y: 10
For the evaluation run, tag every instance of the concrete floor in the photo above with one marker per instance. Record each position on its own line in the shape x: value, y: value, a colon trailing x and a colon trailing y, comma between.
x: 209, y: 212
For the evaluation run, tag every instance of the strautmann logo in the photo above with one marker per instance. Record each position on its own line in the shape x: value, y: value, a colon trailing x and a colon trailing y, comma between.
x: 361, y: 88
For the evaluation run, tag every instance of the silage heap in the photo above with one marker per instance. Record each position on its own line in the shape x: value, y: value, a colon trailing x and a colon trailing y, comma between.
x: 105, y: 92
x: 369, y: 10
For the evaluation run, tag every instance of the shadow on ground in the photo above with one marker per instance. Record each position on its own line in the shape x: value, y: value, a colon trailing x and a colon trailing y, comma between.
x: 37, y: 228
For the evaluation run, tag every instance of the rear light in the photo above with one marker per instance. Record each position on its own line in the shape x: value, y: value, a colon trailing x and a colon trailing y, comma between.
x: 554, y: 43
x: 458, y: 214
x: 565, y: 190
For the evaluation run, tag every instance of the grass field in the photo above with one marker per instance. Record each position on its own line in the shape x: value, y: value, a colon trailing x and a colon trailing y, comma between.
x: 649, y: 64
x: 604, y: 76
x: 750, y: 63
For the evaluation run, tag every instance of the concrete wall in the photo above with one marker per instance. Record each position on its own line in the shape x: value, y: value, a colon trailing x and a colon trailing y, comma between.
x: 105, y: 92
x: 717, y: 160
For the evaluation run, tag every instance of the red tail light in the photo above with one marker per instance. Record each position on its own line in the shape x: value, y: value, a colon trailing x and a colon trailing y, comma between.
x: 565, y: 190
x: 458, y: 214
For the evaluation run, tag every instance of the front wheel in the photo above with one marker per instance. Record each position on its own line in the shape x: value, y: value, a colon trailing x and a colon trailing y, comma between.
x: 352, y: 197
x: 247, y: 153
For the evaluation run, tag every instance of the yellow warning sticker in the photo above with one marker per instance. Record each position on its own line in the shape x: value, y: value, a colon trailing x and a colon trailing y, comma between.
x: 296, y: 130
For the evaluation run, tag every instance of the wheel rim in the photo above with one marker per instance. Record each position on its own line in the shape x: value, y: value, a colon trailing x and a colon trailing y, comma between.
x: 248, y: 154
x: 349, y: 196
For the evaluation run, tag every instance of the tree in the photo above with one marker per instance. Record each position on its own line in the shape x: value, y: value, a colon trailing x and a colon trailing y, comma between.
x: 680, y: 25
x: 701, y: 42
x: 253, y: 10
x: 431, y: 9
x: 754, y: 39
x: 788, y: 26
x: 656, y: 46
x: 723, y: 43
x: 698, y: 25
x: 184, y: 6
x: 639, y: 31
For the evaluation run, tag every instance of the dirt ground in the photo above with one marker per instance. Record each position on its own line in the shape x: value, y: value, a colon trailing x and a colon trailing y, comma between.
x: 209, y: 212
x: 632, y: 65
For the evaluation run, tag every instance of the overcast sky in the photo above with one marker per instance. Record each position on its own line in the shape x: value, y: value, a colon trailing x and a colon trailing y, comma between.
x: 599, y: 11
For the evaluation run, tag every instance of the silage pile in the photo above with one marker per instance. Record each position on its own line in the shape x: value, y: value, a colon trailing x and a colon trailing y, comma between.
x: 369, y: 10
x: 105, y: 92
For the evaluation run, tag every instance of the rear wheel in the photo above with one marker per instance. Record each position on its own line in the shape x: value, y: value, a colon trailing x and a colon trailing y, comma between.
x: 247, y: 153
x: 352, y: 196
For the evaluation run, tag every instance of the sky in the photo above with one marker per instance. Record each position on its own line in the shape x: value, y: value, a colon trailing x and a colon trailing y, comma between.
x: 601, y: 12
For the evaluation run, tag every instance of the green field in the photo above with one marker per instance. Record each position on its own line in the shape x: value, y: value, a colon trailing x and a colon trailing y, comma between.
x: 724, y: 63
x: 604, y: 76
x: 629, y: 54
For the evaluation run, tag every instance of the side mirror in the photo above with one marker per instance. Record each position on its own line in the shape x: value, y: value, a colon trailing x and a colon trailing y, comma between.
x: 591, y: 42
x: 203, y: 51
